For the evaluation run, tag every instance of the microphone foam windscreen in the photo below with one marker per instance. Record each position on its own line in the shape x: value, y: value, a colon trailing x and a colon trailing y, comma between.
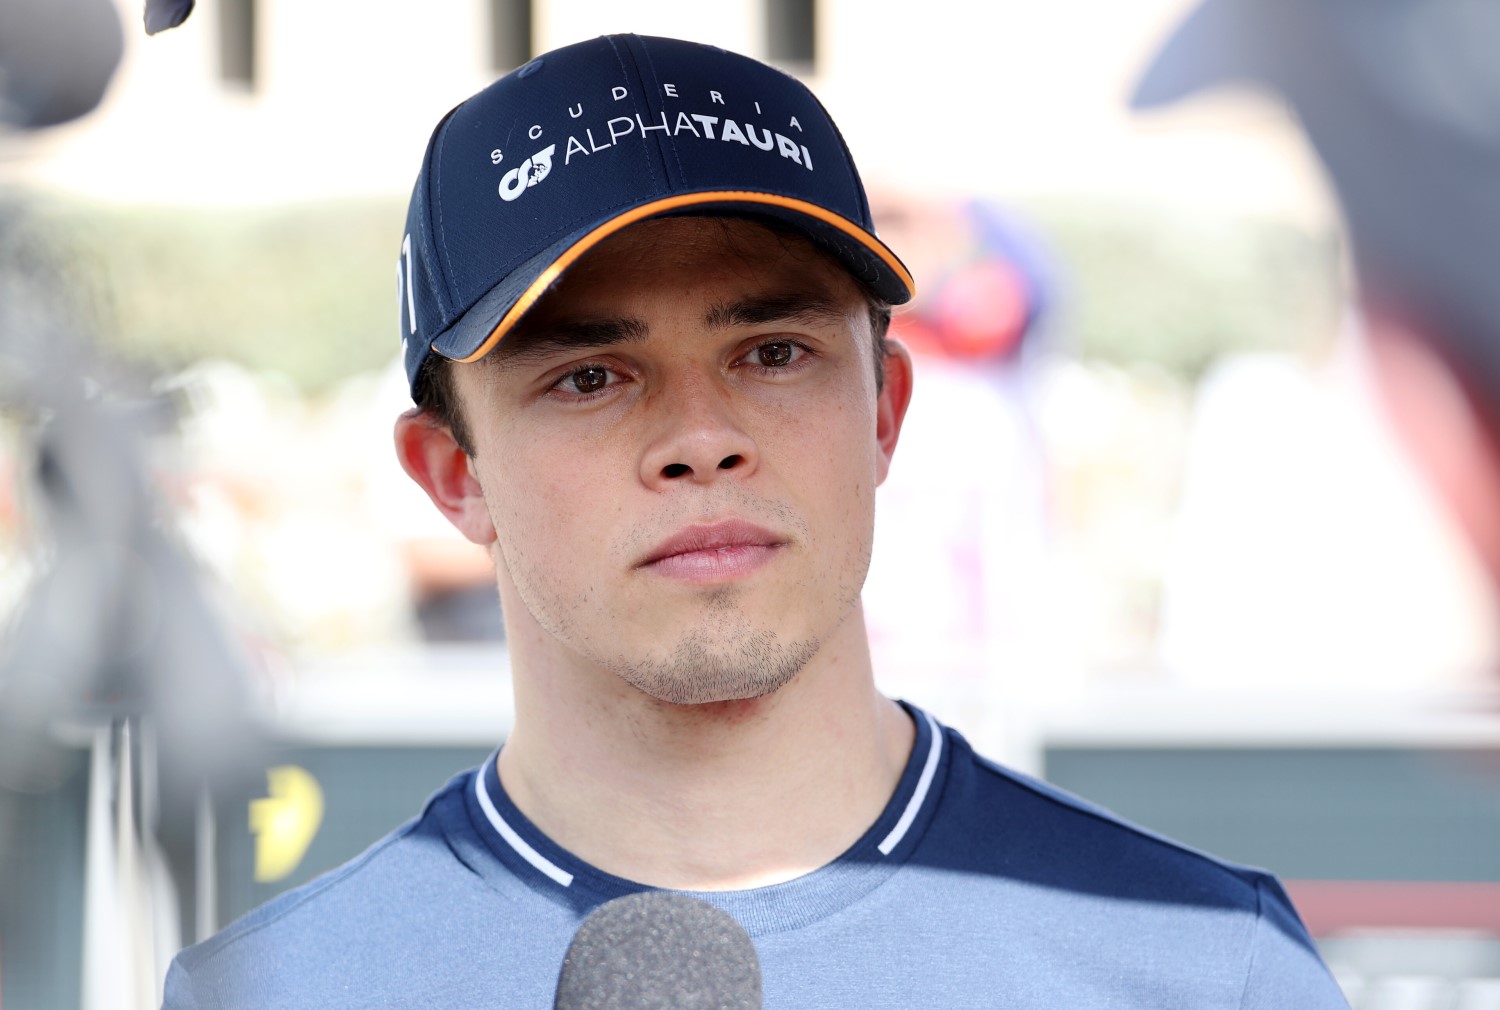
x: 659, y: 951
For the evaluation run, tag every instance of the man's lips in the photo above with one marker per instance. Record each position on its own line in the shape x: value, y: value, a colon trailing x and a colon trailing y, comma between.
x: 712, y: 552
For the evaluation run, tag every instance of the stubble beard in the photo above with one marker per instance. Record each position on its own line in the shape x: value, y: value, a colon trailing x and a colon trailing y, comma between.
x: 727, y: 658
x: 723, y: 664
x: 724, y: 658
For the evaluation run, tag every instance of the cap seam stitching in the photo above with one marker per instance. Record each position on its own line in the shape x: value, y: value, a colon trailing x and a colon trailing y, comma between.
x: 848, y: 159
x: 620, y: 59
x: 673, y: 150
x: 442, y: 243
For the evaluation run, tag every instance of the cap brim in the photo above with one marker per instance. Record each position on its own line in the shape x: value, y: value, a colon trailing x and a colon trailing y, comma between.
x: 1209, y: 48
x: 868, y: 259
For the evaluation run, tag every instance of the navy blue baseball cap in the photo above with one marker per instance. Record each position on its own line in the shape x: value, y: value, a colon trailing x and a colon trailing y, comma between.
x: 538, y: 168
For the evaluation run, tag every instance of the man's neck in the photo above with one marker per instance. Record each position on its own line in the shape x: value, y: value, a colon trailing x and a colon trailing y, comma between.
x: 704, y: 797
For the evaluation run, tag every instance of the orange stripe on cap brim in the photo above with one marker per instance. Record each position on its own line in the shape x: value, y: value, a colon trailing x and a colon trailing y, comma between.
x: 572, y: 253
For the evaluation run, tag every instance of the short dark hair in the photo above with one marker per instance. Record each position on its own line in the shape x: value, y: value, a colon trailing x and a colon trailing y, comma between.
x: 436, y: 392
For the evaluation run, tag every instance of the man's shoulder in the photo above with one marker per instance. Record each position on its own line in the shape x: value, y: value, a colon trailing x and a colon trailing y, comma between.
x: 313, y: 904
x: 1015, y: 826
x: 350, y: 914
x: 1092, y: 885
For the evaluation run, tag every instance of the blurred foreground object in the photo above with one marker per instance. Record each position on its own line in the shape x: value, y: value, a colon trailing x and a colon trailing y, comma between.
x: 57, y: 57
x: 163, y: 14
x: 1401, y: 100
x: 115, y: 624
x: 114, y: 650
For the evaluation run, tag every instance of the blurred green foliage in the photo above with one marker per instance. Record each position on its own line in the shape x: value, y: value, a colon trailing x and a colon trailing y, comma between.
x: 1176, y: 289
x: 309, y: 290
x: 305, y: 290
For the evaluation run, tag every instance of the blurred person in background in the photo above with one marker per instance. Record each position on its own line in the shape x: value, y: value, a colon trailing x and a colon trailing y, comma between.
x: 1401, y: 101
x: 644, y: 315
x: 975, y: 331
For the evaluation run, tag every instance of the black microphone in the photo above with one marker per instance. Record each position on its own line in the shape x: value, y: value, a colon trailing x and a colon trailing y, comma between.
x: 659, y: 951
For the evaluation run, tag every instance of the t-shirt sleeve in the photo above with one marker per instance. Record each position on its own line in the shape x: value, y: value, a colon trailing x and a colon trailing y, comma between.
x: 1285, y: 969
x: 177, y: 993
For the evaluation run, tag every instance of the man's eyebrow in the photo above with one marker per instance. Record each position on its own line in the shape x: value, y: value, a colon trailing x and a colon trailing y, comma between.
x: 808, y: 309
x: 531, y: 345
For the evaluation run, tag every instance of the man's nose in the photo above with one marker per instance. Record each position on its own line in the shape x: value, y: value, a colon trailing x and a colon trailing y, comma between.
x: 698, y: 437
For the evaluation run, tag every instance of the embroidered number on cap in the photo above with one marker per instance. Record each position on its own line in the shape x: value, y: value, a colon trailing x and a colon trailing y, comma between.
x: 410, y: 292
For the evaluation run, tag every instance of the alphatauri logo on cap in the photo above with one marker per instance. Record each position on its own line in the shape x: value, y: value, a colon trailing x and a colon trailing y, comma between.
x: 525, y: 175
x: 713, y: 125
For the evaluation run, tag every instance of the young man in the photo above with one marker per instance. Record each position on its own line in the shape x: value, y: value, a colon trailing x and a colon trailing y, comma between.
x: 644, y: 313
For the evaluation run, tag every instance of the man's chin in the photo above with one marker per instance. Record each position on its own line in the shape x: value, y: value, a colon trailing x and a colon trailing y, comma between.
x: 700, y: 673
x: 688, y: 696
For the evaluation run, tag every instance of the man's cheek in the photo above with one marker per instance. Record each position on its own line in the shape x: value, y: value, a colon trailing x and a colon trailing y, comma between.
x: 553, y: 521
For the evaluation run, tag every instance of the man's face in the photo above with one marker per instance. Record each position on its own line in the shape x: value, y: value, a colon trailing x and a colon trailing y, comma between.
x: 678, y: 452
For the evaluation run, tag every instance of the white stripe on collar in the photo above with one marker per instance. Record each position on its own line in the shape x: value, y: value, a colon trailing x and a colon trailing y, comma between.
x: 923, y: 784
x: 563, y: 877
x: 514, y: 840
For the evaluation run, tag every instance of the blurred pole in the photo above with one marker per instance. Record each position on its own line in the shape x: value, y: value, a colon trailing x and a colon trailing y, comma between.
x: 135, y: 933
x: 160, y: 906
x: 127, y: 939
x: 206, y: 870
x: 104, y: 956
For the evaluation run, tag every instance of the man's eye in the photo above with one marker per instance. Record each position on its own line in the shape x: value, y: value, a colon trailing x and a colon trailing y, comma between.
x: 585, y: 380
x: 775, y: 354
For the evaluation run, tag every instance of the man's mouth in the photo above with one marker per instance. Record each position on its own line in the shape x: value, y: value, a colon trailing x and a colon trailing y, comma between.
x: 713, y: 552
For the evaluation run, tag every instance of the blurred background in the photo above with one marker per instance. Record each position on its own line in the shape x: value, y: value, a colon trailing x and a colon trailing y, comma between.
x: 1169, y: 552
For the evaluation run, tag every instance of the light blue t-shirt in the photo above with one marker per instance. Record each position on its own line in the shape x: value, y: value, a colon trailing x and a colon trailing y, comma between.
x: 976, y: 887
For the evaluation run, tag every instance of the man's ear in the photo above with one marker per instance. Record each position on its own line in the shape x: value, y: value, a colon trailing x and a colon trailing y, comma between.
x: 431, y: 457
x: 890, y: 406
